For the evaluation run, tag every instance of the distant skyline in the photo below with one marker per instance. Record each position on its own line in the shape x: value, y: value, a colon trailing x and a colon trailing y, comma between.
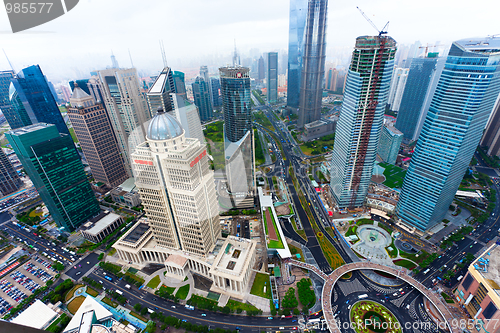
x: 203, y: 32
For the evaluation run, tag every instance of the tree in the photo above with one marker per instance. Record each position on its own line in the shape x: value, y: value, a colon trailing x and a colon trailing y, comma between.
x: 290, y: 301
x: 137, y: 307
x: 144, y: 310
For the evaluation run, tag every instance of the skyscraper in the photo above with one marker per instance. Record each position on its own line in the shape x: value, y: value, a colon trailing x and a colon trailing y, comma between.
x: 361, y: 119
x: 398, y: 83
x: 33, y: 102
x: 120, y: 89
x: 313, y: 66
x: 238, y: 136
x: 261, y: 70
x: 9, y: 179
x: 201, y: 94
x: 5, y: 105
x: 465, y: 95
x: 420, y: 86
x: 180, y: 84
x: 179, y: 200
x: 272, y: 77
x: 215, y: 83
x: 159, y: 93
x: 491, y: 136
x: 95, y: 134
x: 390, y: 141
x: 53, y: 164
x: 204, y: 74
x: 297, y: 25
x: 331, y: 79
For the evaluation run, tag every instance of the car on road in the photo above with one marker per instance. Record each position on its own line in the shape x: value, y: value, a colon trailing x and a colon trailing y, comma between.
x: 203, y: 314
x: 269, y: 318
x: 78, y: 273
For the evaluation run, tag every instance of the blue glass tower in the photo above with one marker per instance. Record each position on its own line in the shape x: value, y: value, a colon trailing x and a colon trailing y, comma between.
x: 298, y: 14
x: 464, y: 98
x: 361, y: 119
x: 5, y: 105
x: 201, y: 93
x: 272, y: 77
x: 313, y: 63
x: 418, y: 88
x: 215, y: 83
x: 33, y: 102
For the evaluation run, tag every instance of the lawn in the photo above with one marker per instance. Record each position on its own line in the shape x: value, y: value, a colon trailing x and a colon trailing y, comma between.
x: 296, y: 250
x: 92, y: 292
x: 112, y: 251
x: 109, y: 302
x: 301, y: 232
x: 351, y: 231
x: 72, y: 292
x: 405, y: 263
x: 233, y: 305
x: 154, y: 282
x: 183, y: 292
x: 394, y: 175
x: 259, y: 282
x: 421, y: 256
x: 74, y: 305
x: 168, y: 290
x: 447, y: 298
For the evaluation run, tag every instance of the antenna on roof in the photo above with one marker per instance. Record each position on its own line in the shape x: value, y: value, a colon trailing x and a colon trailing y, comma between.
x: 164, y: 57
x: 10, y: 64
x: 131, y: 62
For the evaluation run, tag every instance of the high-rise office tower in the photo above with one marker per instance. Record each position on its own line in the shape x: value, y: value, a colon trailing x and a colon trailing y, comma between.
x: 127, y: 109
x: 420, y: 86
x: 491, y: 136
x: 262, y: 70
x: 204, y: 74
x: 53, y: 164
x: 66, y: 93
x: 215, y: 83
x: 201, y: 94
x: 297, y: 25
x: 179, y: 84
x: 272, y: 77
x: 390, y: 141
x: 114, y: 62
x: 9, y: 179
x: 33, y: 102
x: 361, y: 119
x: 5, y: 106
x: 97, y: 140
x: 159, y: 93
x: 177, y: 190
x: 313, y: 66
x: 331, y: 79
x: 466, y: 93
x: 238, y: 135
x: 398, y: 83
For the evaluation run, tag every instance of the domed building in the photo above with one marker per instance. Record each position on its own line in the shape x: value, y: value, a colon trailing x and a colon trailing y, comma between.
x: 182, y: 229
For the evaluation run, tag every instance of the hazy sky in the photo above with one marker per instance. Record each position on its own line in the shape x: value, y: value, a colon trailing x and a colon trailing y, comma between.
x: 197, y: 30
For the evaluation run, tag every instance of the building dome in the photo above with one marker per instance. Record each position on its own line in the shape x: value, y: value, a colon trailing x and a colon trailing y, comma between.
x: 164, y: 127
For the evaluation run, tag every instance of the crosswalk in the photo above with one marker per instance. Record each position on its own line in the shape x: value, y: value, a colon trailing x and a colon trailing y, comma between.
x: 350, y: 287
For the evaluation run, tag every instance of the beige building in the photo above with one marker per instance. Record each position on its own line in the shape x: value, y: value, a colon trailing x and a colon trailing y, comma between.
x: 182, y: 229
x: 97, y: 228
x: 95, y: 135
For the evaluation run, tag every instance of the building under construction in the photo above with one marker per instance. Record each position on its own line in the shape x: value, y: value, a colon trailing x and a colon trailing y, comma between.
x: 361, y: 119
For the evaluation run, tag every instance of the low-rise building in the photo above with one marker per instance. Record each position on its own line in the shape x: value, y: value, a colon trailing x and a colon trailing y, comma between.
x: 96, y: 229
x: 126, y: 194
x: 37, y: 315
x: 318, y: 128
x: 479, y: 290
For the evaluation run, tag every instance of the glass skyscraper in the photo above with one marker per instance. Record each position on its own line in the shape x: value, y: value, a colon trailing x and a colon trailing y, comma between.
x: 53, y: 164
x: 5, y: 105
x: 272, y: 77
x: 465, y: 95
x: 298, y: 14
x: 417, y: 89
x: 313, y: 65
x: 9, y: 179
x: 361, y: 119
x: 201, y: 94
x: 204, y: 73
x: 33, y: 101
x: 215, y: 83
x: 180, y: 84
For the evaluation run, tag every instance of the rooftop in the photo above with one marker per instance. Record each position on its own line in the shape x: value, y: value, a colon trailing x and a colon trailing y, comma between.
x: 233, y: 255
x: 393, y: 130
x: 101, y: 222
x: 101, y: 313
x: 128, y: 185
x: 164, y: 127
x: 30, y: 128
x: 488, y: 266
x: 176, y: 259
x: 480, y: 44
x: 136, y: 232
x: 37, y: 315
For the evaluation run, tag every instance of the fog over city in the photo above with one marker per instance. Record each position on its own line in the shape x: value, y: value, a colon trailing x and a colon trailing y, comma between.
x: 200, y: 32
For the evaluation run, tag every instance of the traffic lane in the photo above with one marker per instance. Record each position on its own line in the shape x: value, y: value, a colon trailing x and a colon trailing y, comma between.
x: 154, y: 302
x: 82, y: 266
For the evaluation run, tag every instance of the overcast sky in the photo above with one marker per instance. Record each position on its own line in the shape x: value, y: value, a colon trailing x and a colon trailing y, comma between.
x: 195, y: 31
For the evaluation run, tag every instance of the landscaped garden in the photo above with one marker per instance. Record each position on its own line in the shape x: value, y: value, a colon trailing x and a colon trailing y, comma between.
x: 368, y: 317
x: 274, y: 239
x: 154, y: 282
x: 394, y: 175
x: 183, y: 292
x: 74, y: 305
x: 259, y: 282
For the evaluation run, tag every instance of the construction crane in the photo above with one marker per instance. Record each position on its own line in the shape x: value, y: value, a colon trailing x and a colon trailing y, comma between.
x: 380, y: 32
x: 427, y: 48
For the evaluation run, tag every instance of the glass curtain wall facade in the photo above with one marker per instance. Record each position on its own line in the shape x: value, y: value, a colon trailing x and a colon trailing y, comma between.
x: 361, y: 119
x: 298, y: 15
x: 33, y: 101
x: 313, y: 66
x: 466, y: 93
x: 206, y: 77
x: 215, y: 83
x: 201, y: 94
x: 9, y: 179
x: 5, y: 105
x: 53, y: 164
x: 272, y: 77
